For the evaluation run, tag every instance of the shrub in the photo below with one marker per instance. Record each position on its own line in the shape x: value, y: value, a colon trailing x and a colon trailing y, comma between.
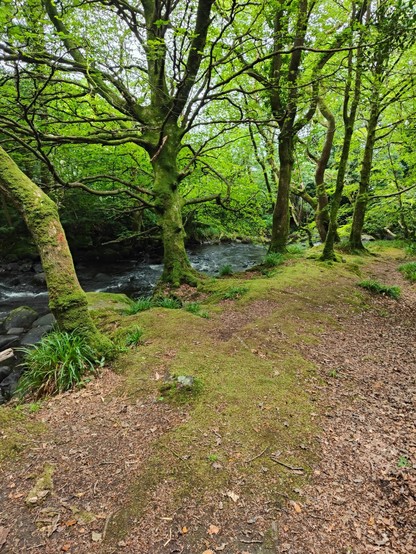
x: 379, y: 288
x: 57, y: 363
x: 295, y: 249
x: 409, y: 271
x: 226, y: 270
x: 273, y: 259
x: 166, y: 302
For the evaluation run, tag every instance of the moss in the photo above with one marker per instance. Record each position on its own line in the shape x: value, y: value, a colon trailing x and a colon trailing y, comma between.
x: 107, y: 301
x: 17, y: 430
x: 42, y: 488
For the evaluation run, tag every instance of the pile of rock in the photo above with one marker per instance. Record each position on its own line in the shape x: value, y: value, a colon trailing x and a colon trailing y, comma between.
x: 21, y: 327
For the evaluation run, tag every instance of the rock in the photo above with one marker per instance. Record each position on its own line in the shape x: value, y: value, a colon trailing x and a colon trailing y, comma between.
x: 2, y: 400
x: 38, y: 268
x: 367, y: 238
x: 9, y: 384
x: 7, y: 340
x: 16, y: 331
x: 47, y: 319
x: 35, y: 334
x: 185, y: 380
x: 43, y: 487
x: 39, y: 278
x: 4, y: 372
x: 20, y: 317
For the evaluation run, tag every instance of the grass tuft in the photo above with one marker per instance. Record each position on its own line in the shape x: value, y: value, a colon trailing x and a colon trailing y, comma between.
x: 234, y: 292
x: 57, y: 363
x: 226, y: 270
x: 379, y: 288
x: 195, y: 308
x: 273, y: 259
x: 139, y: 305
x: 166, y: 302
x: 134, y: 336
x: 409, y: 271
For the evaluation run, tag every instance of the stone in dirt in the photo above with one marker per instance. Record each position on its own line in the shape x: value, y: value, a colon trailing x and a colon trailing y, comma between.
x: 20, y: 317
x: 47, y: 319
x: 4, y: 372
x: 16, y: 331
x: 7, y: 340
x: 9, y: 384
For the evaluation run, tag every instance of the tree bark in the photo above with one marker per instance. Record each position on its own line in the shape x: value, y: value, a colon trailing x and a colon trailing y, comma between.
x: 67, y: 300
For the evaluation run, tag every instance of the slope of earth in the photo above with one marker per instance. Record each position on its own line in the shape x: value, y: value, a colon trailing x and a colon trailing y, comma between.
x: 297, y: 434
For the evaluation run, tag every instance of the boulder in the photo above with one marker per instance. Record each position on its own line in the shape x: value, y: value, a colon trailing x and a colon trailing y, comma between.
x: 35, y: 334
x: 38, y: 268
x: 16, y: 331
x: 39, y: 278
x: 20, y: 317
x: 47, y: 319
x: 4, y: 372
x: 9, y: 384
x: 7, y: 340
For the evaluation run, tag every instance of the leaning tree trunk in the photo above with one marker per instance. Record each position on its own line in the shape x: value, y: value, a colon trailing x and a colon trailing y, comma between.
x: 355, y: 242
x: 281, y: 213
x: 169, y: 203
x: 67, y: 300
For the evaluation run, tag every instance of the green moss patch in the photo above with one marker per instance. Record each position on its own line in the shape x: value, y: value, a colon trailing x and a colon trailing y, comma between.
x: 17, y: 431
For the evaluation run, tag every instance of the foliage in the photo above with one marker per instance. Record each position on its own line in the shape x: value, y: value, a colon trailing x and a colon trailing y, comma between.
x: 409, y: 270
x: 234, y: 292
x: 226, y: 270
x: 273, y: 259
x: 145, y: 303
x: 379, y: 288
x: 195, y: 308
x: 134, y: 336
x: 57, y: 363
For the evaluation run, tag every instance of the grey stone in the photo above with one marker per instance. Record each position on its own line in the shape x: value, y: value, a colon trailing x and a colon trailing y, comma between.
x: 39, y: 278
x: 4, y: 372
x: 367, y: 238
x: 16, y: 331
x: 47, y: 319
x: 7, y: 340
x: 38, y: 268
x: 35, y: 334
x: 20, y: 317
x: 185, y: 380
x: 9, y: 385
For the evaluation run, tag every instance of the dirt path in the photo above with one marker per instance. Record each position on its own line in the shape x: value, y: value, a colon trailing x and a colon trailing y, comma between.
x: 126, y: 481
x: 362, y: 498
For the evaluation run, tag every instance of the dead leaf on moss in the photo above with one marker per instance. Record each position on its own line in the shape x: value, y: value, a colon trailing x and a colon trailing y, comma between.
x: 213, y: 530
x: 234, y: 497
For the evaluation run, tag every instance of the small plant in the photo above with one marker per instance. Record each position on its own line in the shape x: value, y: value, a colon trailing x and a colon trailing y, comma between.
x: 273, y: 259
x: 411, y: 249
x: 166, y: 302
x: 295, y: 249
x: 379, y: 288
x: 226, y: 270
x: 139, y: 305
x: 409, y: 271
x: 195, y: 308
x: 404, y: 462
x: 234, y: 292
x: 134, y: 336
x: 57, y: 363
x: 212, y: 457
x: 334, y: 373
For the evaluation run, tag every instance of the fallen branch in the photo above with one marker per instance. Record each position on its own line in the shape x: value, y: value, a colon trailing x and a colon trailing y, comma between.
x: 287, y: 466
x: 6, y: 354
x: 256, y: 457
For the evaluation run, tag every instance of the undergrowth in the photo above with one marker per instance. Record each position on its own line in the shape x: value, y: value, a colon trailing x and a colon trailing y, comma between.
x: 234, y: 292
x: 145, y: 303
x: 378, y: 288
x: 195, y: 308
x: 273, y: 260
x: 409, y: 271
x: 57, y: 363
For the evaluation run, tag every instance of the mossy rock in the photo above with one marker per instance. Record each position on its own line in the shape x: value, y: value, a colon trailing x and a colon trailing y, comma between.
x: 23, y: 317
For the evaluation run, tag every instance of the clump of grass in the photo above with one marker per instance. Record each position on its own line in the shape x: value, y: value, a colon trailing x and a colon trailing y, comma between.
x: 195, y: 308
x: 234, y: 292
x: 57, y: 363
x: 295, y: 249
x: 273, y: 259
x: 166, y: 302
x: 140, y: 305
x: 226, y: 270
x: 411, y: 249
x: 146, y: 302
x: 181, y: 389
x: 134, y: 336
x: 409, y: 271
x: 379, y: 288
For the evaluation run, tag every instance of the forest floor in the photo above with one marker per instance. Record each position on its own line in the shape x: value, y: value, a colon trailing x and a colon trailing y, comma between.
x: 299, y: 437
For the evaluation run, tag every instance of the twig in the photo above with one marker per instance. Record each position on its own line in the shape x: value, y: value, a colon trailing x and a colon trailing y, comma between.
x: 170, y: 537
x: 107, y: 521
x: 254, y: 541
x: 257, y: 456
x: 287, y: 466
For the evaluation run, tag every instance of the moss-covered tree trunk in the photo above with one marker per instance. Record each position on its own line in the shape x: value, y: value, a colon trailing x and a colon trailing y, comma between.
x: 67, y: 300
x: 360, y: 207
x: 281, y: 212
x: 169, y: 203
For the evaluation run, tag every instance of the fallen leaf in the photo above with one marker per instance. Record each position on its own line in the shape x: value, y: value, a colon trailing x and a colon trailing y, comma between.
x: 4, y: 531
x: 96, y: 537
x: 296, y: 507
x: 371, y: 520
x: 71, y: 522
x: 234, y: 497
x: 184, y: 530
x: 221, y: 548
x: 65, y: 547
x: 208, y: 552
x: 213, y: 530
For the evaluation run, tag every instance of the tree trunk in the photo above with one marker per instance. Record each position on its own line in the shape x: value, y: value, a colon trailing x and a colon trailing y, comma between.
x: 281, y: 214
x: 67, y: 300
x: 361, y: 201
x: 169, y: 203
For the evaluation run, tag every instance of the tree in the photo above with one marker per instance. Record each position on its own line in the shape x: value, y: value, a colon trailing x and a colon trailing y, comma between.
x: 67, y: 300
